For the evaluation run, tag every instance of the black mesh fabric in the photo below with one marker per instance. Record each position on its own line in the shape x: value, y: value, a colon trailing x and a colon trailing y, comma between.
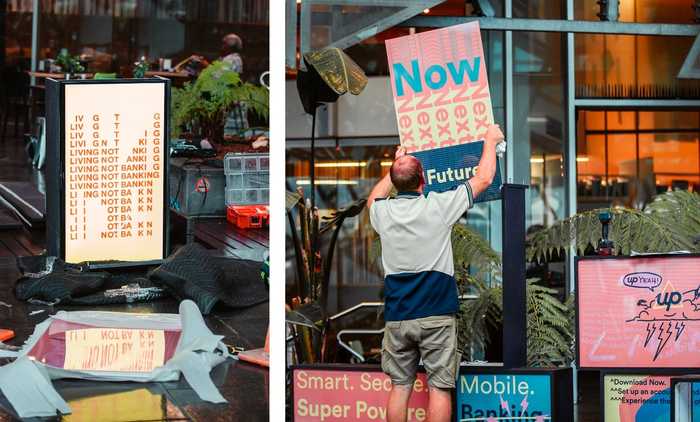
x: 60, y: 284
x: 243, y: 284
x: 72, y: 286
x: 192, y: 273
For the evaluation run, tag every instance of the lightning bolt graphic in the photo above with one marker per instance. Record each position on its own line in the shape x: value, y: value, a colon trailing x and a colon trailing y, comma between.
x: 524, y: 404
x: 504, y: 404
x: 662, y: 341
x: 680, y: 326
x: 650, y: 332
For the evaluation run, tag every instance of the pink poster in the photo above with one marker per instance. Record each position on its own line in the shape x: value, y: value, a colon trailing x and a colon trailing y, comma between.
x: 639, y: 312
x: 327, y: 395
x: 440, y: 86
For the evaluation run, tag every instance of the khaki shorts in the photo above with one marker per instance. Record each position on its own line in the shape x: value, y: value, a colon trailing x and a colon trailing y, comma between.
x: 432, y: 339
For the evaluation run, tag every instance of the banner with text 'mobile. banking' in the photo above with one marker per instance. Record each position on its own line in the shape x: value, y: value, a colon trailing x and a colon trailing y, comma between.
x: 443, y: 104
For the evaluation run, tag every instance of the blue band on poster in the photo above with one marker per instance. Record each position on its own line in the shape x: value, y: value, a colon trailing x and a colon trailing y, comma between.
x: 446, y: 168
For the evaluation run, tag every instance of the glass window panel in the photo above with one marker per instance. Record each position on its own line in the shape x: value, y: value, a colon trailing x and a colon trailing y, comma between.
x: 590, y: 157
x: 462, y: 8
x: 630, y: 66
x: 639, y: 164
x: 344, y: 175
x: 673, y: 157
x: 622, y: 156
x: 653, y: 11
x: 539, y: 116
x: 332, y: 23
x: 593, y: 120
x: 17, y: 34
x: 111, y: 36
x: 620, y: 120
x: 669, y: 120
x: 542, y: 9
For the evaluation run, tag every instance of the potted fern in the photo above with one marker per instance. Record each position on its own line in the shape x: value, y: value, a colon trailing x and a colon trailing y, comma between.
x: 70, y: 65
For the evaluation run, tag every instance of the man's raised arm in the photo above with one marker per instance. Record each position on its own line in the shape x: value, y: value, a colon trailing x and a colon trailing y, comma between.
x: 487, y: 165
x: 383, y: 188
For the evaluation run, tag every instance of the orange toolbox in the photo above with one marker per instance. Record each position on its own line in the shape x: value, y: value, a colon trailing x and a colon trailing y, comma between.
x: 6, y: 334
x: 248, y: 216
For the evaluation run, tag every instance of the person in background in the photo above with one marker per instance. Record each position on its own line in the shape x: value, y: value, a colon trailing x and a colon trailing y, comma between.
x: 237, y: 120
x: 232, y: 45
x: 420, y: 292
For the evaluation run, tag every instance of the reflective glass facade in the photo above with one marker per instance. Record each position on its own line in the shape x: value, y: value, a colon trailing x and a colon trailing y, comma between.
x: 605, y: 123
x: 111, y: 35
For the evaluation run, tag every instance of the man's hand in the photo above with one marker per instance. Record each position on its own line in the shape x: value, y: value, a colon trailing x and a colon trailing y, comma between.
x: 494, y: 135
x: 400, y: 152
x: 487, y: 164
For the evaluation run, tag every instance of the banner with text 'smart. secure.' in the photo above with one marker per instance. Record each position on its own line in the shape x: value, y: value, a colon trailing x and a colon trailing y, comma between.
x: 443, y: 104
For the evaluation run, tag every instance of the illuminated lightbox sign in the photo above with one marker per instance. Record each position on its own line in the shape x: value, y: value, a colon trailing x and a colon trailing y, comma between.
x: 108, y: 200
x: 333, y: 393
x: 638, y: 312
x: 442, y: 101
x: 357, y: 393
x: 504, y: 397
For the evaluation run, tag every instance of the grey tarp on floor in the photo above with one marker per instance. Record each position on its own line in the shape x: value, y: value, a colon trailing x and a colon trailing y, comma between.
x: 197, y: 351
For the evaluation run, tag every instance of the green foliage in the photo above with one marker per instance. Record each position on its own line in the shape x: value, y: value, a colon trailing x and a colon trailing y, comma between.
x: 469, y: 249
x: 313, y: 267
x: 668, y: 223
x: 478, y: 316
x: 550, y: 335
x: 202, y: 106
x: 140, y: 68
x: 69, y: 64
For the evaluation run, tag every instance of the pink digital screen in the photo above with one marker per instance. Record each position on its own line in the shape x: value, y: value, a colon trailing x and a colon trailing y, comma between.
x: 328, y: 395
x: 639, y: 312
x: 440, y: 87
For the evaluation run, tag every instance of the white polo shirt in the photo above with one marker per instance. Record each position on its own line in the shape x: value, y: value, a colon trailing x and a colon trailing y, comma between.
x: 415, y: 232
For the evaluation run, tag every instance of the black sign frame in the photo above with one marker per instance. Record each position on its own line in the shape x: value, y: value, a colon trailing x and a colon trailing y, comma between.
x: 56, y: 163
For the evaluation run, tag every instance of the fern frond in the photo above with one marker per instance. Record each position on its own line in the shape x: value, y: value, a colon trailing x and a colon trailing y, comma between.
x: 669, y: 223
x: 471, y: 250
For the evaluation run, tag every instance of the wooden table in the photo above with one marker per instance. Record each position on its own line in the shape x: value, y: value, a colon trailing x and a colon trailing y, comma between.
x: 217, y: 233
x: 166, y: 74
x: 60, y: 75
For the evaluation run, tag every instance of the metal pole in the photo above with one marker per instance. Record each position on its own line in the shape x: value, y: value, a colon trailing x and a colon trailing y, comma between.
x: 508, y: 68
x: 514, y: 284
x: 571, y: 171
x: 570, y: 151
x: 558, y: 25
x: 35, y: 38
x: 312, y: 171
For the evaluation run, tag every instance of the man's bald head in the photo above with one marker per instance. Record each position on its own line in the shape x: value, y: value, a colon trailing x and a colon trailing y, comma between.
x: 407, y: 174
